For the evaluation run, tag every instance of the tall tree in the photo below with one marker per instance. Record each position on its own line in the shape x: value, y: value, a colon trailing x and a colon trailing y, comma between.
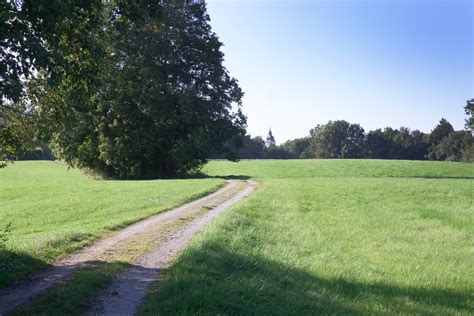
x: 469, y: 109
x: 158, y: 100
x: 441, y: 131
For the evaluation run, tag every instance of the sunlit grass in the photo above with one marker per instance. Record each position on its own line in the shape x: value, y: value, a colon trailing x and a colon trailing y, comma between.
x: 310, y: 168
x: 54, y: 210
x: 346, y: 243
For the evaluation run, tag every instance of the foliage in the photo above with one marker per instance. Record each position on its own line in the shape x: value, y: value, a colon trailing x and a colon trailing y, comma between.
x: 4, y: 236
x: 128, y: 89
x: 442, y: 130
x: 277, y: 152
x: 396, y: 144
x: 341, y: 139
x: 338, y: 139
x: 31, y: 31
x: 39, y: 151
x: 452, y: 146
x: 297, y: 147
x: 469, y: 109
x: 252, y: 148
x: 16, y: 131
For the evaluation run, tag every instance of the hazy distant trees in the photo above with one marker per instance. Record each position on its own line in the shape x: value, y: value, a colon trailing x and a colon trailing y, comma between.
x: 252, y: 148
x: 338, y: 139
x: 456, y: 146
x: 442, y: 130
x: 298, y: 148
x: 341, y: 139
x: 396, y: 144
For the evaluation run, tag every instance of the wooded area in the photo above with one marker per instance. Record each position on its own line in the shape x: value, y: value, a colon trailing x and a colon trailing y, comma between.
x: 341, y: 139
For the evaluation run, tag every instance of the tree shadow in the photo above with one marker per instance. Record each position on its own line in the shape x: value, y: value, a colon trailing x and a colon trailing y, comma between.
x: 438, y: 177
x: 201, y: 175
x: 212, y: 280
x: 58, y: 290
x: 14, y: 265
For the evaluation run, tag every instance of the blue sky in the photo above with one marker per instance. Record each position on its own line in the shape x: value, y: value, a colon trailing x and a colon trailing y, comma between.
x: 376, y: 63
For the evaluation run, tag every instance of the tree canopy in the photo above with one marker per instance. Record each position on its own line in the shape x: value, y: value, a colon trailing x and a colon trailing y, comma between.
x: 469, y: 109
x: 134, y: 89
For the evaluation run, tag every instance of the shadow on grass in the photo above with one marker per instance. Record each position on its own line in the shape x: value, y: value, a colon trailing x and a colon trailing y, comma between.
x: 246, y: 177
x: 14, y: 265
x: 211, y: 280
x: 450, y: 178
x: 57, y: 290
x: 206, y: 176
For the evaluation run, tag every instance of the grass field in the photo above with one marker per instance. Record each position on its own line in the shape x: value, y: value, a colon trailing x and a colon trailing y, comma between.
x: 332, y: 236
x: 54, y: 211
x: 360, y: 168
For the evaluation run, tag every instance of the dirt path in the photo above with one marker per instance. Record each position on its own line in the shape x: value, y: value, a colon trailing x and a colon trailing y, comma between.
x: 163, y: 235
x: 126, y: 292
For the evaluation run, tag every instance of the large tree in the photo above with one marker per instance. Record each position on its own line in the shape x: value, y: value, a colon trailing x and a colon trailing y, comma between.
x: 142, y: 92
x: 440, y: 132
x: 50, y: 38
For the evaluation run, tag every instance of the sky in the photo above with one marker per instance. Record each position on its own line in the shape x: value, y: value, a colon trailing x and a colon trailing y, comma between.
x: 377, y: 63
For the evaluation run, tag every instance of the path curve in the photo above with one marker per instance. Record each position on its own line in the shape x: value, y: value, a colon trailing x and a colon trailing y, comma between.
x: 128, y: 289
x: 26, y: 289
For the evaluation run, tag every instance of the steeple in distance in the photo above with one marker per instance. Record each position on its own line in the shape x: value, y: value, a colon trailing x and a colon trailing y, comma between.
x: 270, y: 141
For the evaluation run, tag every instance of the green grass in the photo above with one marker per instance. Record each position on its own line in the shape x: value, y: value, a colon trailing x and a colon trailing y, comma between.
x: 304, y: 168
x: 339, y: 236
x: 54, y: 210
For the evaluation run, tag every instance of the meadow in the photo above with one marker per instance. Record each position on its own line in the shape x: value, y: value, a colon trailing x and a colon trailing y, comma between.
x: 317, y: 236
x: 54, y: 210
x: 332, y: 236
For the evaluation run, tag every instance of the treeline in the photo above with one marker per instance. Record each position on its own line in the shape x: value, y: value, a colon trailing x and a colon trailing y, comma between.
x: 341, y: 139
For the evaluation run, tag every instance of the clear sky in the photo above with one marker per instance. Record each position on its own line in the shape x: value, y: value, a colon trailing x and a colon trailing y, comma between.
x: 377, y: 63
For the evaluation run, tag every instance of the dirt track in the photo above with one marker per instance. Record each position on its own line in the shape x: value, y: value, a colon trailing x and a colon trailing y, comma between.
x: 163, y: 236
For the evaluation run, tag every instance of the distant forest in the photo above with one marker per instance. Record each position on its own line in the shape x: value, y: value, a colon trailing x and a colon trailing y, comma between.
x: 341, y: 139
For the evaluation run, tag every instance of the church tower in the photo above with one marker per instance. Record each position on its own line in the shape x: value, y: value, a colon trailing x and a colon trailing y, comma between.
x: 270, y: 139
